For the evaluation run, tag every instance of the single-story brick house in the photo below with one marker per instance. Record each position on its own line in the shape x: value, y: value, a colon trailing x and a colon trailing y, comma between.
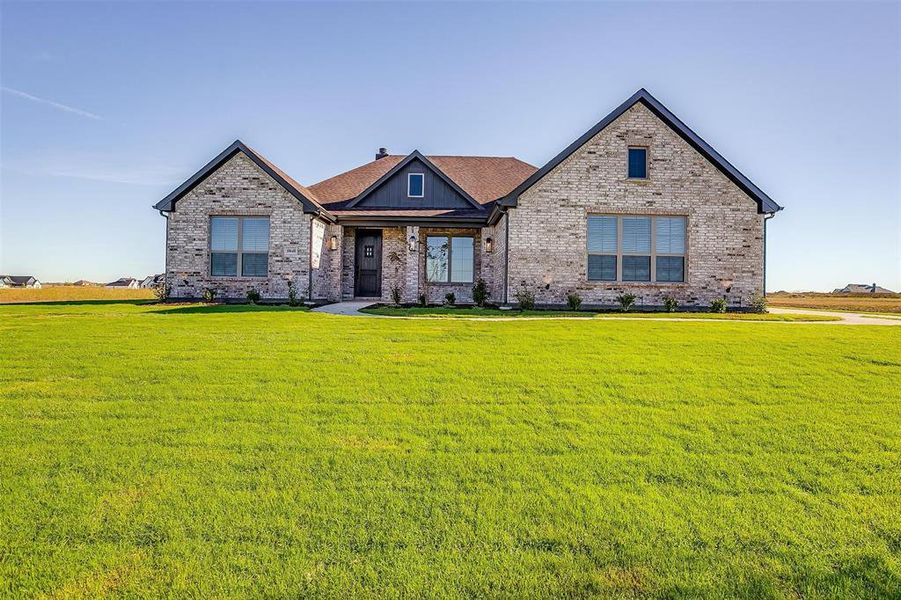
x: 639, y: 203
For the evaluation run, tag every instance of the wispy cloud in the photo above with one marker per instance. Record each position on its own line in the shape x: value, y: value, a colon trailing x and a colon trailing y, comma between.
x: 102, y: 170
x: 56, y: 105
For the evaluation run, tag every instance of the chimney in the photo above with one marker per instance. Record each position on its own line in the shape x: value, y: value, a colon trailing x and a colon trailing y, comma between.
x: 382, y: 153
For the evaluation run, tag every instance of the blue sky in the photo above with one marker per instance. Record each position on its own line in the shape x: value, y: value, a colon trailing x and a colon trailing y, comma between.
x: 106, y: 107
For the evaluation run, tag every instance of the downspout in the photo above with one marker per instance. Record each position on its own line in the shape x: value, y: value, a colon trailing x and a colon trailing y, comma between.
x: 310, y: 265
x: 766, y: 218
x: 506, y: 252
x: 165, y: 215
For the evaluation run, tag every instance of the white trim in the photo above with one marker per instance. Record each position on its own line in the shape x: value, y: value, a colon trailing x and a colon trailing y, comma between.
x: 409, y: 195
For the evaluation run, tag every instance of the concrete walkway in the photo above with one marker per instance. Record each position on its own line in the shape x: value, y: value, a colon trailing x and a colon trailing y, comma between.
x: 351, y: 308
x: 847, y: 318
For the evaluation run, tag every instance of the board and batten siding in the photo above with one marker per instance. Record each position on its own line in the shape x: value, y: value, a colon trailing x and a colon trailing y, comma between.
x: 393, y: 192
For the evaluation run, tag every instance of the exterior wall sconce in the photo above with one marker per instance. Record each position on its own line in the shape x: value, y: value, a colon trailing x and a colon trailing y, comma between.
x: 489, y: 244
x: 333, y: 242
x: 412, y: 243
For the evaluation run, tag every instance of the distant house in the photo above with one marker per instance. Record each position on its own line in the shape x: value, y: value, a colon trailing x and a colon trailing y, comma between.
x: 26, y: 281
x: 862, y: 288
x: 152, y: 281
x: 125, y: 282
x: 85, y: 283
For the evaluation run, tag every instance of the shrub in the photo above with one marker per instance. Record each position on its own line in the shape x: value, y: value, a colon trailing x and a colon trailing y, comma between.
x: 395, y: 295
x: 253, y: 296
x: 209, y: 295
x: 670, y: 304
x: 161, y: 291
x: 422, y: 300
x: 449, y: 298
x: 292, y: 293
x: 718, y: 305
x: 759, y: 304
x: 574, y: 301
x: 626, y: 301
x: 480, y: 292
x: 526, y: 299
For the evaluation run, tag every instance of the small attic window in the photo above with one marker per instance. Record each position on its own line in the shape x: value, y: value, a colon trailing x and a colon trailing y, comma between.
x: 415, y: 185
x: 638, y: 163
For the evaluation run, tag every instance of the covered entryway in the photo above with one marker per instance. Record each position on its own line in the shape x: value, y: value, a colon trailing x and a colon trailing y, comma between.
x: 368, y: 263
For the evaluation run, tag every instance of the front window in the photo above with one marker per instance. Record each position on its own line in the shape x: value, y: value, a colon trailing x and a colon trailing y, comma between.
x: 239, y: 245
x: 415, y: 185
x: 636, y: 248
x: 638, y: 163
x: 449, y: 259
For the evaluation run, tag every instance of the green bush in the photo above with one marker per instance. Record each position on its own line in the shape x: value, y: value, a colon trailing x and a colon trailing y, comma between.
x: 526, y: 299
x: 670, y: 304
x: 450, y: 298
x: 759, y: 304
x: 573, y: 301
x: 395, y: 295
x: 292, y: 293
x: 626, y: 301
x: 480, y: 292
x: 161, y: 291
x: 718, y: 305
x: 253, y: 296
x: 209, y: 295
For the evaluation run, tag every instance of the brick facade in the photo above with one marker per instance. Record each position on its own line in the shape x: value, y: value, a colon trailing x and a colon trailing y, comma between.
x: 548, y: 229
x: 237, y: 188
x: 541, y: 244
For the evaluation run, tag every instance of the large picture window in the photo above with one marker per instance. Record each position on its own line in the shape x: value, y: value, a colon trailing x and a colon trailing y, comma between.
x: 239, y: 245
x: 636, y: 248
x: 449, y: 259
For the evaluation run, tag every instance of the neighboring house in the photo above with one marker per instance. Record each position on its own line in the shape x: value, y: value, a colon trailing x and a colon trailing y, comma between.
x: 152, y: 280
x: 639, y: 204
x: 26, y: 281
x: 85, y: 283
x: 125, y: 282
x: 862, y: 288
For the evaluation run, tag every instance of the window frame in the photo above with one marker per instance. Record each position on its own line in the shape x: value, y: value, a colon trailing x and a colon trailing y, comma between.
x: 409, y: 180
x: 450, y: 261
x: 653, y: 254
x: 240, y: 252
x: 647, y: 170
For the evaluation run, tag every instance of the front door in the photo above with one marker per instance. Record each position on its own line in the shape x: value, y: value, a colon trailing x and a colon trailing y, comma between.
x: 368, y: 264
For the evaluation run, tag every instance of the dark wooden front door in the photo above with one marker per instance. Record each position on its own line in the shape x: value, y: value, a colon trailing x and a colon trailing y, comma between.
x: 368, y: 264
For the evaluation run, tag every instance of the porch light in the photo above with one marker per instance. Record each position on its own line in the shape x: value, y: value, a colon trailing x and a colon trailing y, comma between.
x: 333, y: 242
x: 489, y: 244
x: 412, y: 243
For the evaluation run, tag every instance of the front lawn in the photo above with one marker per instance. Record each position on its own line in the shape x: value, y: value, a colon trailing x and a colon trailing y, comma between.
x: 200, y: 451
x: 475, y: 312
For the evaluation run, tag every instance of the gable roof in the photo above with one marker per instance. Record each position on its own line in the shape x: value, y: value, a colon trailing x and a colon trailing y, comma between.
x: 482, y: 178
x: 765, y: 204
x: 415, y: 155
x: 303, y: 195
x: 18, y: 279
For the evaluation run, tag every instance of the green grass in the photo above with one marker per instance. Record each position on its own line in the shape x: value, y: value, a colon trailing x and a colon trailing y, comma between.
x: 474, y: 312
x: 216, y: 452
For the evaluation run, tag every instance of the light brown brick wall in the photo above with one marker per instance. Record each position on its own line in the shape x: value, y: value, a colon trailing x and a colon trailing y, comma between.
x: 238, y: 187
x: 548, y: 229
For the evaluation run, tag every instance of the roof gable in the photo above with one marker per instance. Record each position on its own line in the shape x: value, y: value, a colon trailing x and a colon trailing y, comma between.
x: 401, y: 167
x: 484, y: 178
x: 302, y: 194
x: 764, y: 203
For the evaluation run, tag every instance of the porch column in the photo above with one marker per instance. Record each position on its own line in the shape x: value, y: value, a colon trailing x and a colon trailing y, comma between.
x: 411, y: 270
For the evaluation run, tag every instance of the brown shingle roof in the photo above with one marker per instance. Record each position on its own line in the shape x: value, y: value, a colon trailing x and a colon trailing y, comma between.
x: 485, y: 178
